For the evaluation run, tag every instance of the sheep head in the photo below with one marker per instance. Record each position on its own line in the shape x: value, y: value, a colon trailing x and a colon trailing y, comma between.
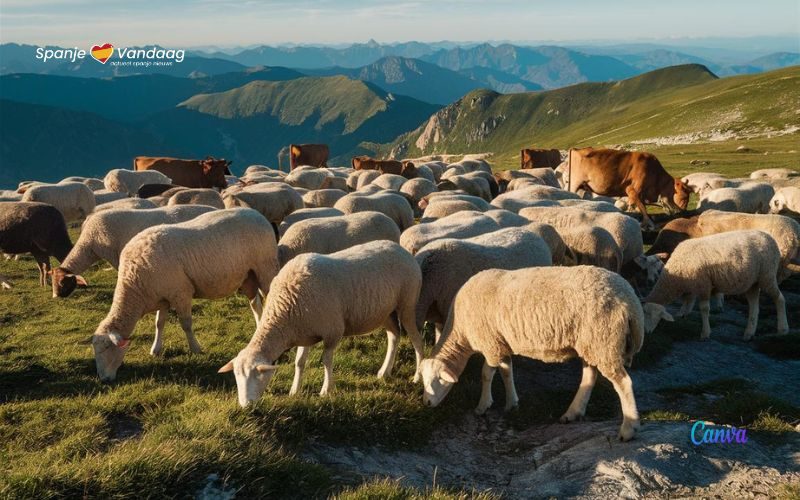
x: 437, y: 380
x: 109, y: 351
x: 653, y: 314
x: 253, y: 372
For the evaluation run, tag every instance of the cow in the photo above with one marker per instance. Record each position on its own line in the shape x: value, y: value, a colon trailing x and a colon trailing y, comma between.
x: 208, y: 173
x: 383, y: 166
x: 637, y: 175
x: 538, y: 158
x: 315, y: 155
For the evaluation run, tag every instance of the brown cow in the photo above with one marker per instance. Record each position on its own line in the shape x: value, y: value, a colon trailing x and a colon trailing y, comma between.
x: 315, y: 155
x: 383, y: 166
x: 208, y: 173
x: 538, y: 158
x: 637, y: 175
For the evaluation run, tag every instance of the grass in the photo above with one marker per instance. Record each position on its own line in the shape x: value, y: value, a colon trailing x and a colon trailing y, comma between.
x: 392, y: 490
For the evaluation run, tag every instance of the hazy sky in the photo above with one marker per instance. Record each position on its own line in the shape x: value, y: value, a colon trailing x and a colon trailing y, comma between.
x: 184, y: 23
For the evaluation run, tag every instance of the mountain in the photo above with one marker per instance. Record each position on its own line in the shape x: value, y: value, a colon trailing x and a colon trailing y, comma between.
x: 499, y: 81
x: 550, y: 67
x: 662, y: 58
x: 681, y: 105
x: 412, y: 77
x: 766, y: 63
x: 129, y: 98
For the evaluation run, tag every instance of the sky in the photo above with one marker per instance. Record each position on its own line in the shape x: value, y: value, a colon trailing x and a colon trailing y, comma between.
x: 227, y: 23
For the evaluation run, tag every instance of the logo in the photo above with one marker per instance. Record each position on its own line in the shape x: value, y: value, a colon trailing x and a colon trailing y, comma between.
x: 102, y: 52
x: 706, y: 434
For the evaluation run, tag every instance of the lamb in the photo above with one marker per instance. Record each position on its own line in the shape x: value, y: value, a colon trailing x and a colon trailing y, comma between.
x: 91, y: 183
x: 106, y: 233
x: 366, y: 178
x: 465, y: 224
x: 411, y: 171
x: 774, y: 173
x: 305, y: 214
x: 74, y: 200
x: 37, y: 228
x: 476, y: 186
x: 751, y: 197
x: 712, y: 184
x: 448, y: 263
x: 6, y: 195
x: 731, y: 263
x: 332, y: 234
x: 126, y: 204
x: 392, y: 182
x: 437, y: 168
x: 166, y: 266
x: 415, y: 190
x: 395, y: 206
x: 311, y: 178
x: 523, y: 182
x: 129, y: 181
x: 104, y: 197
x: 786, y: 200
x: 593, y: 246
x: 273, y: 201
x: 197, y: 196
x: 352, y: 179
x: 322, y: 198
x: 443, y: 206
x: 530, y: 196
x: 513, y: 179
x: 697, y: 180
x: 550, y: 314
x: 325, y: 298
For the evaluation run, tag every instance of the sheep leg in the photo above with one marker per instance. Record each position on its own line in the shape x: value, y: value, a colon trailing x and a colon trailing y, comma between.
x: 720, y: 301
x: 250, y: 289
x: 705, y: 308
x: 487, y: 375
x: 507, y: 372
x: 327, y: 362
x: 158, y: 341
x: 299, y: 366
x: 752, y: 313
x: 577, y: 409
x: 630, y: 415
x: 392, y: 338
x: 687, y: 306
x: 409, y: 323
x: 780, y: 306
x: 185, y: 317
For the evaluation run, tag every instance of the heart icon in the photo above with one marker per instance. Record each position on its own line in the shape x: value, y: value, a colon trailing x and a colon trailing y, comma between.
x: 102, y: 52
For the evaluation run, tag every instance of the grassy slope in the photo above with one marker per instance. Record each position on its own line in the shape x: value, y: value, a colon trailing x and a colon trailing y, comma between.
x: 668, y: 102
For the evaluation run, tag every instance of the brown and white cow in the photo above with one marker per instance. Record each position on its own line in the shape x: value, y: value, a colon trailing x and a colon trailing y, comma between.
x: 383, y: 166
x: 208, y: 173
x: 538, y: 158
x: 637, y: 175
x: 315, y: 155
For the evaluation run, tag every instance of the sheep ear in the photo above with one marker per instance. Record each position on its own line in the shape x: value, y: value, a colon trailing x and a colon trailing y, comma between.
x: 265, y: 367
x: 448, y: 376
x: 118, y: 341
x: 227, y: 368
x: 662, y: 256
x: 80, y: 280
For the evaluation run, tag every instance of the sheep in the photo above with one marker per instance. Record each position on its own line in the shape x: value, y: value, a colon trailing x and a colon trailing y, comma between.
x: 731, y: 263
x: 129, y: 181
x: 717, y: 183
x: 273, y: 201
x: 530, y: 196
x: 593, y: 246
x: 465, y: 224
x: 91, y: 183
x: 332, y: 234
x: 395, y: 206
x: 410, y: 171
x: 6, y: 195
x: 260, y: 178
x: 106, y: 233
x: 522, y: 183
x: 352, y: 179
x: 26, y: 185
x: 471, y: 165
x: 166, y: 266
x: 151, y: 190
x: 366, y: 178
x: 786, y: 200
x: 751, y: 197
x: 476, y: 186
x: 198, y: 196
x: 443, y: 206
x: 104, y: 197
x: 336, y: 182
x: 74, y: 200
x: 416, y: 190
x: 323, y: 298
x: 697, y: 180
x: 392, y: 182
x: 322, y: 198
x: 37, y: 228
x: 550, y: 314
x: 437, y: 168
x: 262, y: 168
x: 774, y: 173
x: 316, y: 178
x: 448, y: 263
x: 305, y: 214
x: 370, y: 189
x: 126, y: 204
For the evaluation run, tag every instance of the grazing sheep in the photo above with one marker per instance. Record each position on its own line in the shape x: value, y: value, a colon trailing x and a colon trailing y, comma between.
x: 272, y: 200
x: 126, y: 204
x: 106, y: 233
x: 410, y: 171
x: 366, y: 178
x: 786, y: 201
x: 442, y: 206
x: 74, y: 200
x: 151, y: 190
x: 530, y: 196
x: 166, y: 266
x: 774, y: 173
x: 697, y: 180
x: 391, y: 182
x: 315, y: 178
x: 460, y: 225
x: 332, y: 234
x: 593, y: 246
x: 731, y: 263
x: 437, y: 168
x: 91, y: 182
x: 260, y: 178
x: 750, y: 197
x: 261, y: 168
x: 550, y: 314
x: 305, y: 214
x: 35, y: 228
x: 129, y: 181
x: 6, y: 195
x: 395, y: 206
x: 197, y: 196
x: 476, y: 186
x: 324, y: 298
x: 522, y: 183
x: 26, y: 185
x: 320, y: 198
x: 713, y: 184
x: 352, y: 179
x: 416, y: 190
x: 448, y: 263
x: 104, y: 197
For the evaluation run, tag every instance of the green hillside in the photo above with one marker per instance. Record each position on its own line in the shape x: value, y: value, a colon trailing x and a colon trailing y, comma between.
x: 681, y: 113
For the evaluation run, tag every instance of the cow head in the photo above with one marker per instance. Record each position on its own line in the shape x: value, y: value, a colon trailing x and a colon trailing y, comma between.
x: 681, y: 196
x: 214, y: 171
x: 409, y: 170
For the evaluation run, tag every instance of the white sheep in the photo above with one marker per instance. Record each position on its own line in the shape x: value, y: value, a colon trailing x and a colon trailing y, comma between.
x: 167, y: 266
x: 750, y: 197
x: 415, y: 190
x: 197, y: 196
x: 697, y: 180
x: 391, y: 182
x: 442, y: 206
x: 91, y: 182
x: 272, y: 200
x: 448, y: 263
x: 731, y: 263
x: 320, y: 198
x: 786, y: 200
x: 592, y: 246
x: 129, y: 181
x: 304, y: 214
x: 391, y: 204
x: 8, y: 195
x: 104, y: 197
x: 465, y: 224
x: 327, y: 235
x: 476, y: 186
x: 774, y: 173
x: 550, y: 314
x: 73, y: 199
x: 324, y: 298
x: 529, y: 196
x: 366, y: 178
x: 313, y: 178
x: 718, y: 183
x: 558, y: 249
x: 125, y: 204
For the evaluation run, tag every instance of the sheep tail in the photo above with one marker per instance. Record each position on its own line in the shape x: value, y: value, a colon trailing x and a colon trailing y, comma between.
x: 635, y: 338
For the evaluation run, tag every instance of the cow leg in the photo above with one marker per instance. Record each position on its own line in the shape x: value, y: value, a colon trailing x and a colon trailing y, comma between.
x: 633, y: 199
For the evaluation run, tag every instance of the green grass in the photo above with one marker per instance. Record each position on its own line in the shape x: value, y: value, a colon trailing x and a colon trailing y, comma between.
x: 392, y: 490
